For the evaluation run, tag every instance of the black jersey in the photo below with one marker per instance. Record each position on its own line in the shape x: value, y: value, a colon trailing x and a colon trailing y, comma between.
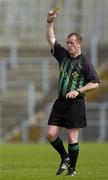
x: 73, y: 72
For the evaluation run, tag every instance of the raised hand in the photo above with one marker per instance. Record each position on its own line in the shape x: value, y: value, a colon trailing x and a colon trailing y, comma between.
x: 52, y: 14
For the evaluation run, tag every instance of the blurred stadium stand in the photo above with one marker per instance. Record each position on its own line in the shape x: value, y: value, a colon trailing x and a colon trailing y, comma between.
x: 28, y: 74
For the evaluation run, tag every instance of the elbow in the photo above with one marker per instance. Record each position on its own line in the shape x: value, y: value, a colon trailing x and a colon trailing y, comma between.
x: 51, y: 42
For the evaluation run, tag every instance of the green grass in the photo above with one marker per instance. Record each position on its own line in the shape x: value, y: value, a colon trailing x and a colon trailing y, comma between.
x: 40, y: 161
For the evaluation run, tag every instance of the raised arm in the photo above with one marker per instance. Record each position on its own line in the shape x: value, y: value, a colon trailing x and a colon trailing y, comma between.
x: 50, y: 35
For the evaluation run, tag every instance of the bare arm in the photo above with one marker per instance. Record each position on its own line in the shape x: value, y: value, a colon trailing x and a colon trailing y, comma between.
x: 50, y: 35
x: 88, y: 87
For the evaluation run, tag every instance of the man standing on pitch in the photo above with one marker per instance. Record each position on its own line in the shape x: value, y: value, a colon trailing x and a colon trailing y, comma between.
x: 76, y: 77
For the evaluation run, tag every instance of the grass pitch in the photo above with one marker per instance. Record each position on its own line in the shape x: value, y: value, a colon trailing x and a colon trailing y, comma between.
x: 40, y: 162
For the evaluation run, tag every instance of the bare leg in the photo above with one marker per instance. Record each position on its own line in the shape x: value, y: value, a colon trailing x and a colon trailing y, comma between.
x: 52, y: 133
x: 55, y: 140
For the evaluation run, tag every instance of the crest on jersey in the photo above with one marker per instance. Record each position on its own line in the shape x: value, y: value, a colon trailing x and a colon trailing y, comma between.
x: 74, y: 74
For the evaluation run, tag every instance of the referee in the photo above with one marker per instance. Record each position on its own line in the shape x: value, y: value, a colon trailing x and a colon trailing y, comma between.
x: 76, y: 77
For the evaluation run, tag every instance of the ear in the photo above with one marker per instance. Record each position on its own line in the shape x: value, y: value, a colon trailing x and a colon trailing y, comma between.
x: 80, y: 44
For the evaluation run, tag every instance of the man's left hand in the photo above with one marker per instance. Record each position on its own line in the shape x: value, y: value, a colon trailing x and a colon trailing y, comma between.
x: 72, y: 94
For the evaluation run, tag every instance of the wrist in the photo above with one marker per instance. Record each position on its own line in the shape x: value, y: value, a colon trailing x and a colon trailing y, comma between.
x: 49, y: 21
x: 78, y: 90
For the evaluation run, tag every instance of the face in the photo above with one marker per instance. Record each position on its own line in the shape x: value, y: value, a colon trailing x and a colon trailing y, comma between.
x: 74, y: 46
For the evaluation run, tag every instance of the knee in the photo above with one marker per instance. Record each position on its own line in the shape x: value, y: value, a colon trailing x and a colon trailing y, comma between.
x: 51, y: 136
x: 73, y: 137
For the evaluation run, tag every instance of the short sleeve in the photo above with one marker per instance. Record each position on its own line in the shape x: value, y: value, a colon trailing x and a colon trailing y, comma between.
x: 58, y: 52
x: 89, y: 72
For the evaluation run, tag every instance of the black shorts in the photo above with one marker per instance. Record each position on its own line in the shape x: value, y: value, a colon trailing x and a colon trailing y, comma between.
x: 68, y: 113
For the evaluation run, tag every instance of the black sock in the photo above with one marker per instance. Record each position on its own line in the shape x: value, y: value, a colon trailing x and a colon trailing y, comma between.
x: 73, y: 154
x: 58, y: 145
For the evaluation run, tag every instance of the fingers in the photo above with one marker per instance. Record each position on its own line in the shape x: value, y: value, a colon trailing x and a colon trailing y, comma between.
x: 53, y: 13
x: 72, y: 95
x: 69, y: 95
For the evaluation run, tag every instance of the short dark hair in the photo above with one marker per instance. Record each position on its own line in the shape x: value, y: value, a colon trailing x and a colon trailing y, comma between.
x: 77, y: 35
